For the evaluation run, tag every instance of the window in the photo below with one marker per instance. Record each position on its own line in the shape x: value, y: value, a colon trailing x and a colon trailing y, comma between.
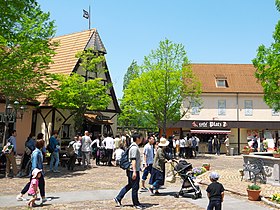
x: 221, y: 81
x: 66, y: 131
x: 195, y: 108
x: 222, y: 107
x: 248, y: 107
x: 274, y: 112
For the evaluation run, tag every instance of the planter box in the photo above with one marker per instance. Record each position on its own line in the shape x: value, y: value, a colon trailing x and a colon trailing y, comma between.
x: 276, y: 155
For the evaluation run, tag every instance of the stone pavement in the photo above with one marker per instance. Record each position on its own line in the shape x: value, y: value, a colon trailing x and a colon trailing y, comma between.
x: 95, y: 188
x: 68, y: 197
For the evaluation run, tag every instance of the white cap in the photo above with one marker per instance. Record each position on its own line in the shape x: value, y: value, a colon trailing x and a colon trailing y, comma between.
x: 214, y: 175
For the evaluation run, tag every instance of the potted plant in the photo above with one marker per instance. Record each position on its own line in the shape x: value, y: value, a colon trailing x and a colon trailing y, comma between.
x: 276, y: 153
x: 254, y: 192
x: 206, y: 166
x: 246, y: 150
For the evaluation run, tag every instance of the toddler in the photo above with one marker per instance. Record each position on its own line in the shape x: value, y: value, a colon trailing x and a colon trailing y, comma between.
x: 215, y: 192
x: 33, y: 189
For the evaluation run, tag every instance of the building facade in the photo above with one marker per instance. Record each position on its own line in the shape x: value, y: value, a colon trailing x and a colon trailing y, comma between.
x: 232, y: 105
x: 45, y: 118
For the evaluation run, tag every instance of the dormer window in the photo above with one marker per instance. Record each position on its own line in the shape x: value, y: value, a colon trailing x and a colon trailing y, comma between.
x: 221, y: 81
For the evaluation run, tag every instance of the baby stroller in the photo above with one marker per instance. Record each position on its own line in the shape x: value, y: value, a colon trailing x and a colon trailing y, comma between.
x: 189, y: 188
x: 102, y: 156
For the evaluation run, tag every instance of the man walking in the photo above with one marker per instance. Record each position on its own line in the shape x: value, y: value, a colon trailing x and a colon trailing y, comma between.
x: 10, y: 157
x: 133, y: 173
x: 54, y: 144
x: 148, y: 159
x: 109, y: 146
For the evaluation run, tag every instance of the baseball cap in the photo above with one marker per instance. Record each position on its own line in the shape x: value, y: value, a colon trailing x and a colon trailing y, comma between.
x: 214, y: 175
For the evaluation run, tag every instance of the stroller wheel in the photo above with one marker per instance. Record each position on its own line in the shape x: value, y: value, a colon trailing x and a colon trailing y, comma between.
x: 181, y: 193
x: 176, y: 195
x: 194, y: 196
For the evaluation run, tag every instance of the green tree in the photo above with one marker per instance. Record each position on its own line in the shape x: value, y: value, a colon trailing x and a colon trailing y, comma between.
x: 25, y: 50
x: 81, y: 94
x: 131, y: 73
x: 267, y: 64
x: 165, y: 81
x: 130, y: 116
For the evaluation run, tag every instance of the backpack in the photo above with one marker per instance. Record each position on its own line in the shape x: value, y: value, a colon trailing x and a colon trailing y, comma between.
x: 124, y: 161
x: 70, y: 150
x: 194, y: 142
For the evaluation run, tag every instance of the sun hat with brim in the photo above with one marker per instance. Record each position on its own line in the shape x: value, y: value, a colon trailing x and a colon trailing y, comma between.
x: 35, y: 172
x: 214, y: 175
x: 163, y: 142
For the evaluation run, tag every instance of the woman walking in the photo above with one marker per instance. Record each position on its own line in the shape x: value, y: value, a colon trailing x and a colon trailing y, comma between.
x: 37, y: 162
x: 158, y: 169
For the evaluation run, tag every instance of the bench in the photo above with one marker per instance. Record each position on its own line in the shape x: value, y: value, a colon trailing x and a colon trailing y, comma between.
x: 255, y: 168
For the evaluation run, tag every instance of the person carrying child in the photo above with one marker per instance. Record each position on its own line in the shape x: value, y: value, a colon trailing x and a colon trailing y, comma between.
x: 33, y: 188
x: 215, y: 192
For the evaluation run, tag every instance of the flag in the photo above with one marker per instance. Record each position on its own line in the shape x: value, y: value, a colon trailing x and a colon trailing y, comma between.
x: 86, y: 14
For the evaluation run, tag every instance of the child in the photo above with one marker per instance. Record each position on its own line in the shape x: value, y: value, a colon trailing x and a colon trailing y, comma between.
x: 215, y: 192
x: 118, y: 154
x: 33, y: 189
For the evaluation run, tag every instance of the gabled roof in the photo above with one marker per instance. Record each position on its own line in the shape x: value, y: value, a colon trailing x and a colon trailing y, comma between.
x: 240, y: 78
x: 64, y: 61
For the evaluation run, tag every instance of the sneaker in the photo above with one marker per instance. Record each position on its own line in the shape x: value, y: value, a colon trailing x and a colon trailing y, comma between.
x: 151, y: 190
x: 118, y: 202
x: 138, y: 207
x: 144, y: 189
x: 156, y: 192
x: 44, y: 200
x: 56, y: 171
x: 20, y: 198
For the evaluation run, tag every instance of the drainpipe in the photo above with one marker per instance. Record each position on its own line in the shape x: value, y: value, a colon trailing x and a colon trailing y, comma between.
x: 238, y: 128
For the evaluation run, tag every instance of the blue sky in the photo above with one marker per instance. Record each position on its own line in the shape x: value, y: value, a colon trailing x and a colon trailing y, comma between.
x: 212, y: 31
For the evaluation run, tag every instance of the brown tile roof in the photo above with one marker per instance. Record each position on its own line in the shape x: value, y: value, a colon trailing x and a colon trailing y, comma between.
x: 240, y: 78
x: 64, y: 60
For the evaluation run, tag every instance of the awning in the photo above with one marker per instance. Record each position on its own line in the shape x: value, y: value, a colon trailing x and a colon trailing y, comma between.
x: 211, y: 131
x: 94, y: 118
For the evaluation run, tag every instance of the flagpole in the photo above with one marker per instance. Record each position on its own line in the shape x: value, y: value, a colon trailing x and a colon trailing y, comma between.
x: 89, y: 17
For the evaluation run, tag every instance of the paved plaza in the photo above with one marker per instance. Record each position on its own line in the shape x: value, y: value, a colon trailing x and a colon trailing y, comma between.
x: 94, y: 188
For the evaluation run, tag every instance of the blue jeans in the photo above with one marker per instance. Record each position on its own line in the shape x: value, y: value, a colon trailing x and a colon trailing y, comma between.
x: 132, y: 184
x: 214, y: 204
x: 54, y: 161
x: 146, y: 172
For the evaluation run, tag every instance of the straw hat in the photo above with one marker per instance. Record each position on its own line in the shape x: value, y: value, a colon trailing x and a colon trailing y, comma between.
x: 35, y: 172
x: 163, y: 142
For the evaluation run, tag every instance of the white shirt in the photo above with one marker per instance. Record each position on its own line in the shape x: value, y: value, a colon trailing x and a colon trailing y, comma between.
x: 109, y: 143
x: 182, y: 142
x: 119, y: 153
x: 77, y: 145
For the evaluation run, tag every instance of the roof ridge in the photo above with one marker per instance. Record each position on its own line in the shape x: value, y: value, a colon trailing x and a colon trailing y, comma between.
x: 90, y: 30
